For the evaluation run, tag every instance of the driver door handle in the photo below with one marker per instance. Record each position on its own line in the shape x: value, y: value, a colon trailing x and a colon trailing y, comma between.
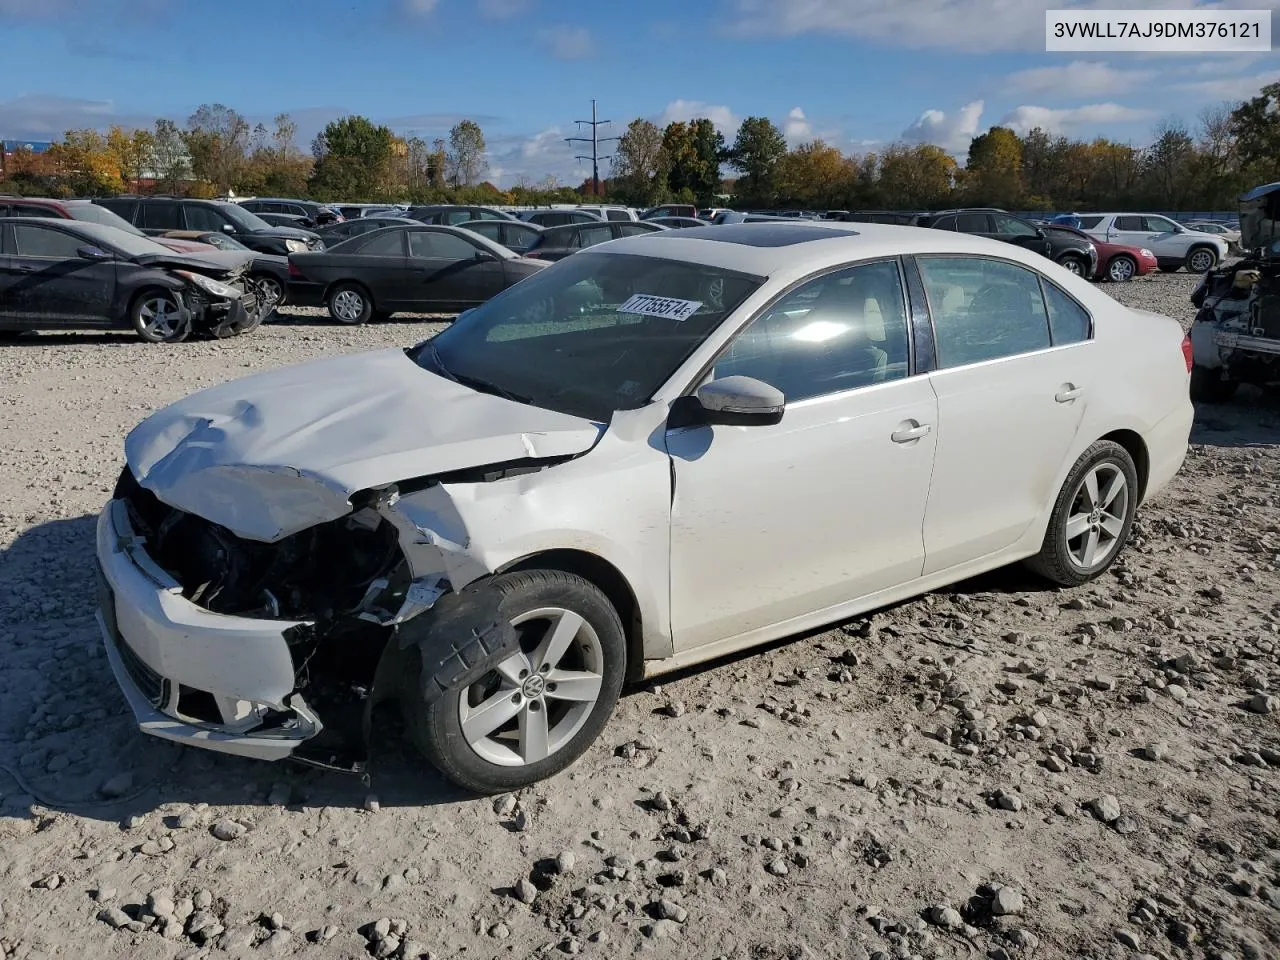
x: 909, y: 431
x: 1067, y: 393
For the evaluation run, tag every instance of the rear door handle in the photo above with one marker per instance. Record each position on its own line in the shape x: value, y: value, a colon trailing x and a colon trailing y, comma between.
x: 909, y: 431
x: 1068, y: 393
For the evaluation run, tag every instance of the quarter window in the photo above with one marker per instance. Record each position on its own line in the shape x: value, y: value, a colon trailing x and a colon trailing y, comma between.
x: 388, y: 244
x: 944, y: 223
x: 845, y: 330
x: 983, y: 309
x: 1068, y: 321
x: 163, y: 215
x: 32, y: 240
x: 617, y: 215
x: 1088, y: 223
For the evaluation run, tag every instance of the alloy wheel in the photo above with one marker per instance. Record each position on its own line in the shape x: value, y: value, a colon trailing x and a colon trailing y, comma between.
x: 348, y: 305
x: 1072, y: 265
x: 1121, y: 269
x: 1097, y: 516
x: 534, y: 702
x: 270, y: 292
x: 160, y: 318
x: 1201, y: 261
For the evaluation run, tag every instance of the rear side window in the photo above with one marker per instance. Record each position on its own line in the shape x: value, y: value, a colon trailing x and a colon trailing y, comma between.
x: 972, y: 223
x: 204, y: 218
x: 983, y: 309
x: 121, y: 208
x: 485, y: 215
x: 163, y: 215
x: 455, y: 216
x: 30, y: 210
x: 944, y: 223
x: 1068, y: 321
x: 617, y: 215
x: 35, y: 240
x: 635, y: 229
x: 1129, y: 223
x: 486, y: 228
x: 553, y: 219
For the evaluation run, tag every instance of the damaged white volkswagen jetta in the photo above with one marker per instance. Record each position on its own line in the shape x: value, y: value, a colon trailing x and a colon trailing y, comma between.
x: 655, y: 452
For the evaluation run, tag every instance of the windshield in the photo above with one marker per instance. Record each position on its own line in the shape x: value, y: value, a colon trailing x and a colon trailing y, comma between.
x: 92, y: 213
x: 242, y: 218
x: 558, y: 339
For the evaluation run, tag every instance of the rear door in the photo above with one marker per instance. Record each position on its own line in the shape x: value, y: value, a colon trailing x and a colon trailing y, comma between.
x: 52, y: 283
x: 1130, y: 230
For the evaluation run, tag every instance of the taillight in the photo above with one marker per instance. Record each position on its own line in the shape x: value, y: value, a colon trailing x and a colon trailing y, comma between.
x: 294, y: 272
x: 1187, y: 353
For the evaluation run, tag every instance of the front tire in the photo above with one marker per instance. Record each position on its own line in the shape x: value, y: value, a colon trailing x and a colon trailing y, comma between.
x: 350, y: 303
x: 156, y: 317
x: 1201, y: 260
x: 537, y: 711
x: 1073, y: 264
x: 270, y: 291
x: 1209, y: 386
x: 1091, y: 517
x: 1122, y: 269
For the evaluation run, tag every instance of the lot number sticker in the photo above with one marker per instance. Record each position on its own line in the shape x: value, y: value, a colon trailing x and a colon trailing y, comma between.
x: 668, y: 307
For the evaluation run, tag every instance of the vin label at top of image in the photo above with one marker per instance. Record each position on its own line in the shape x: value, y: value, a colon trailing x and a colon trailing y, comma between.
x: 668, y: 307
x: 1163, y: 31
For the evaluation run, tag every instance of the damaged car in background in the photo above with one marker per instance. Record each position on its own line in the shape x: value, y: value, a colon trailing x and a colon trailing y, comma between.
x: 1236, y: 334
x: 60, y: 274
x: 497, y: 527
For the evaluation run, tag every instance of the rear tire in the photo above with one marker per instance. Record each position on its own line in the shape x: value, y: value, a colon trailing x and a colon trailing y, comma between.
x: 1201, y: 260
x: 1091, y: 518
x: 155, y: 317
x: 518, y: 728
x: 1209, y: 386
x: 350, y: 303
x: 1122, y: 269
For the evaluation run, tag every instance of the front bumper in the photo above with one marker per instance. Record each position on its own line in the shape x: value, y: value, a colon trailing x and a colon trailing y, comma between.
x: 195, y: 677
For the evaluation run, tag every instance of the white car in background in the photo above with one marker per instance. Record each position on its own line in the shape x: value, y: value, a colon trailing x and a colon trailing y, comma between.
x: 656, y: 452
x: 1218, y: 230
x: 1173, y: 244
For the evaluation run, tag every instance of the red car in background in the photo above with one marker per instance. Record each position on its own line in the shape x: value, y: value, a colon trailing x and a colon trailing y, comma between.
x: 1116, y: 261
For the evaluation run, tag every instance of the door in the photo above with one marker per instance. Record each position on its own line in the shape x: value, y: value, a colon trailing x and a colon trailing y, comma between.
x: 1020, y: 233
x: 1011, y: 396
x: 773, y: 522
x: 1164, y: 239
x: 444, y: 270
x: 52, y: 283
x: 1130, y: 229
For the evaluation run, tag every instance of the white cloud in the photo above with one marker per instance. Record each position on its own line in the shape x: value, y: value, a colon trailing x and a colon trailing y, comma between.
x: 951, y: 132
x: 721, y: 116
x: 968, y: 25
x: 1229, y: 88
x: 419, y: 8
x: 501, y: 9
x: 1080, y: 78
x: 567, y: 43
x: 797, y: 129
x: 1027, y: 118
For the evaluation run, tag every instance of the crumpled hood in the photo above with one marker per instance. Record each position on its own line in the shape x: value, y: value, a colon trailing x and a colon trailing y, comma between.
x: 281, y: 451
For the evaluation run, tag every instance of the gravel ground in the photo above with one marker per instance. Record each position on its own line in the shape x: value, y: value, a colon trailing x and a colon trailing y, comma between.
x: 996, y: 769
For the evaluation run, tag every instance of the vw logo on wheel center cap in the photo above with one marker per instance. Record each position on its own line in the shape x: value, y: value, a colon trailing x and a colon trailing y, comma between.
x: 534, y: 686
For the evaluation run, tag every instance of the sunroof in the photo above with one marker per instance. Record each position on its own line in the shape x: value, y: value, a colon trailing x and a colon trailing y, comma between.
x: 762, y: 234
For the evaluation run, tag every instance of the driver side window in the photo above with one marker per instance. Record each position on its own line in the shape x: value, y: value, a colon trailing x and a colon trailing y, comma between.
x: 841, y: 331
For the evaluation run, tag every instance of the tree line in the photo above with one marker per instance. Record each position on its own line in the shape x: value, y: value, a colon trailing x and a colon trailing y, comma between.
x: 1205, y: 167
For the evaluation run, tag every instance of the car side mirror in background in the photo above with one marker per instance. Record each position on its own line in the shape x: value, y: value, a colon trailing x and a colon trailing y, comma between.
x: 484, y: 256
x: 89, y: 252
x: 228, y: 228
x: 1040, y: 232
x: 733, y: 401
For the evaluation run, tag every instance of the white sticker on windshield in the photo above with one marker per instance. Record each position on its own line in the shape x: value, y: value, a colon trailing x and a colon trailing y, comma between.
x: 668, y: 307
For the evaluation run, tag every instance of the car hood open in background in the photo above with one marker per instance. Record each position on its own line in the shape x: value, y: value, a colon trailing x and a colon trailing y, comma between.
x: 1260, y: 218
x: 281, y: 451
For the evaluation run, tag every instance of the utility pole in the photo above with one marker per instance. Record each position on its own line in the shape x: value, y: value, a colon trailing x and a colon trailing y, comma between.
x: 595, y: 140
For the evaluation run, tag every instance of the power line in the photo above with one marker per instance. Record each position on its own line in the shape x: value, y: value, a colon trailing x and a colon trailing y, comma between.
x: 595, y: 140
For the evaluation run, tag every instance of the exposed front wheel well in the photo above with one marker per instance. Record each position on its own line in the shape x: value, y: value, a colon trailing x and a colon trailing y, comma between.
x: 1136, y: 447
x: 605, y: 577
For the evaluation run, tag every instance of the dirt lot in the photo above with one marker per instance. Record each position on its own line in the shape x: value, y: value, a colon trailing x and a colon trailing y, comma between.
x: 993, y: 770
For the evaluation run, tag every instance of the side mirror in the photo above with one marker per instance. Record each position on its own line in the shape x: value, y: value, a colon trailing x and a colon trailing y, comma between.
x: 484, y: 256
x: 1040, y: 232
x: 89, y: 252
x: 228, y: 228
x: 733, y: 401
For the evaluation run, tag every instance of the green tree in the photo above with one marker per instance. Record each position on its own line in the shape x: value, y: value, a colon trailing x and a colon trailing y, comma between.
x: 1256, y: 125
x: 353, y: 158
x: 709, y: 148
x: 639, y: 165
x: 466, y: 160
x: 170, y: 162
x: 757, y: 150
x: 1169, y: 164
x: 993, y: 171
x: 217, y: 141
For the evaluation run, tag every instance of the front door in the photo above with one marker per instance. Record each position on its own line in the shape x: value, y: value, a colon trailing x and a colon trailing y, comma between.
x: 1011, y: 397
x: 770, y: 523
x: 444, y: 271
x: 52, y: 283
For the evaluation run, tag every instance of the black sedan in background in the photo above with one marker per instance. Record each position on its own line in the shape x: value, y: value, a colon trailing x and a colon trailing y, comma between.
x: 512, y: 234
x: 556, y: 243
x: 453, y: 214
x: 405, y: 268
x: 67, y: 274
x: 337, y: 233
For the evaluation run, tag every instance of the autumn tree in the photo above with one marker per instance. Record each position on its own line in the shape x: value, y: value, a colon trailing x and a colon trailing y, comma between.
x: 639, y: 165
x: 133, y: 152
x: 815, y: 175
x: 86, y: 164
x: 1168, y: 163
x: 757, y: 150
x: 170, y: 162
x: 217, y: 141
x: 466, y: 160
x: 916, y: 177
x: 993, y: 172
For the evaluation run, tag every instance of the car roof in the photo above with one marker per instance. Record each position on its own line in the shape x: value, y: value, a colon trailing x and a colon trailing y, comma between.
x: 784, y: 248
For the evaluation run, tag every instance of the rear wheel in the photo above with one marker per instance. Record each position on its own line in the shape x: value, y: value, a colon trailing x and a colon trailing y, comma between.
x: 1210, y: 386
x: 157, y: 317
x: 536, y: 711
x: 1201, y: 260
x: 350, y: 303
x: 1091, y: 517
x: 1122, y: 269
x: 1074, y: 264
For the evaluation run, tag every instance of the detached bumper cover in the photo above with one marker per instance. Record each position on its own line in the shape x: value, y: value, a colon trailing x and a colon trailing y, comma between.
x: 163, y: 649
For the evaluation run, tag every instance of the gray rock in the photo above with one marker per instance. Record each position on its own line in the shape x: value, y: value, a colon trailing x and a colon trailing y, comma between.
x: 1106, y: 808
x: 1009, y: 801
x: 1006, y: 902
x: 228, y: 829
x: 505, y: 805
x: 114, y: 917
x: 525, y: 891
x: 1263, y: 703
x: 946, y: 917
x: 565, y: 861
x: 1129, y: 939
x: 1155, y: 751
x: 670, y: 910
x: 499, y: 931
x: 661, y: 801
x: 117, y: 786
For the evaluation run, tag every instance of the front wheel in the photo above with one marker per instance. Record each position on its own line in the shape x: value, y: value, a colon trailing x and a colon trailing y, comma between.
x: 1209, y: 386
x: 1074, y: 264
x: 535, y: 712
x: 350, y: 304
x: 270, y: 291
x: 1201, y: 260
x: 1091, y: 517
x: 157, y: 317
x: 1122, y: 269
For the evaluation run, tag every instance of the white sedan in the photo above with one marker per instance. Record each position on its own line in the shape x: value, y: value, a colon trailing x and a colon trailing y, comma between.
x: 656, y: 452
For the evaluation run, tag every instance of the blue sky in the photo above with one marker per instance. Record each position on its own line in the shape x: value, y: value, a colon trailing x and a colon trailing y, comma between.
x: 857, y: 73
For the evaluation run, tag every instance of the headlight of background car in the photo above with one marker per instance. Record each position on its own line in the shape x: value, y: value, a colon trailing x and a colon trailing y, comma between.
x: 1147, y: 253
x: 295, y: 246
x: 210, y: 286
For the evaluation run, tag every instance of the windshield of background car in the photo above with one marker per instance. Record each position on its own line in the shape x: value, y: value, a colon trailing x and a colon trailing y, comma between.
x: 242, y: 218
x: 93, y: 213
x: 560, y: 341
